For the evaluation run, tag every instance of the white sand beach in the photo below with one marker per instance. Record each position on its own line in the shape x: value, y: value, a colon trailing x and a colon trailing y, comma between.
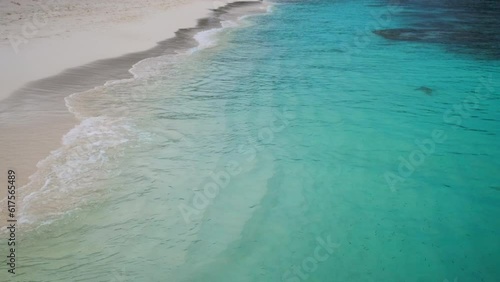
x: 43, y: 40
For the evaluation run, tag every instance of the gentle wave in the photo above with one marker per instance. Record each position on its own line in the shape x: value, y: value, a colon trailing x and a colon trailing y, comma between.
x: 68, y: 177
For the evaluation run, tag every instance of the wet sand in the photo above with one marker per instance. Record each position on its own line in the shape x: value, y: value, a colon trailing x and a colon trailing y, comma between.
x: 34, y: 118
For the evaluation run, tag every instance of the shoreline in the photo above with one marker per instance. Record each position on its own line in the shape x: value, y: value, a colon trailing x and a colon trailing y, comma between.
x: 37, y: 122
x: 28, y: 55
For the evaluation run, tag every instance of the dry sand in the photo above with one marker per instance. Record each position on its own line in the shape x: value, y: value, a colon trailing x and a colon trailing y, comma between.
x: 40, y: 38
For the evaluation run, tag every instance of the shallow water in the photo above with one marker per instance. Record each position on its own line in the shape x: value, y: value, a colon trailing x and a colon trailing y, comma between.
x: 294, y: 146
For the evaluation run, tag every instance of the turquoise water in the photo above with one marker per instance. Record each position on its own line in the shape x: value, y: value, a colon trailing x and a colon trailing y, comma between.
x: 296, y: 146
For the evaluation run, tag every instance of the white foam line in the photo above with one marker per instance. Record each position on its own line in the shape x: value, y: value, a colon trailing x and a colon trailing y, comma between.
x: 206, y: 39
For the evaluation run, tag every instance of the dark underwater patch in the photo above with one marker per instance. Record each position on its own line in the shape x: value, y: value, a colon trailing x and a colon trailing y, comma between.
x: 461, y: 25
